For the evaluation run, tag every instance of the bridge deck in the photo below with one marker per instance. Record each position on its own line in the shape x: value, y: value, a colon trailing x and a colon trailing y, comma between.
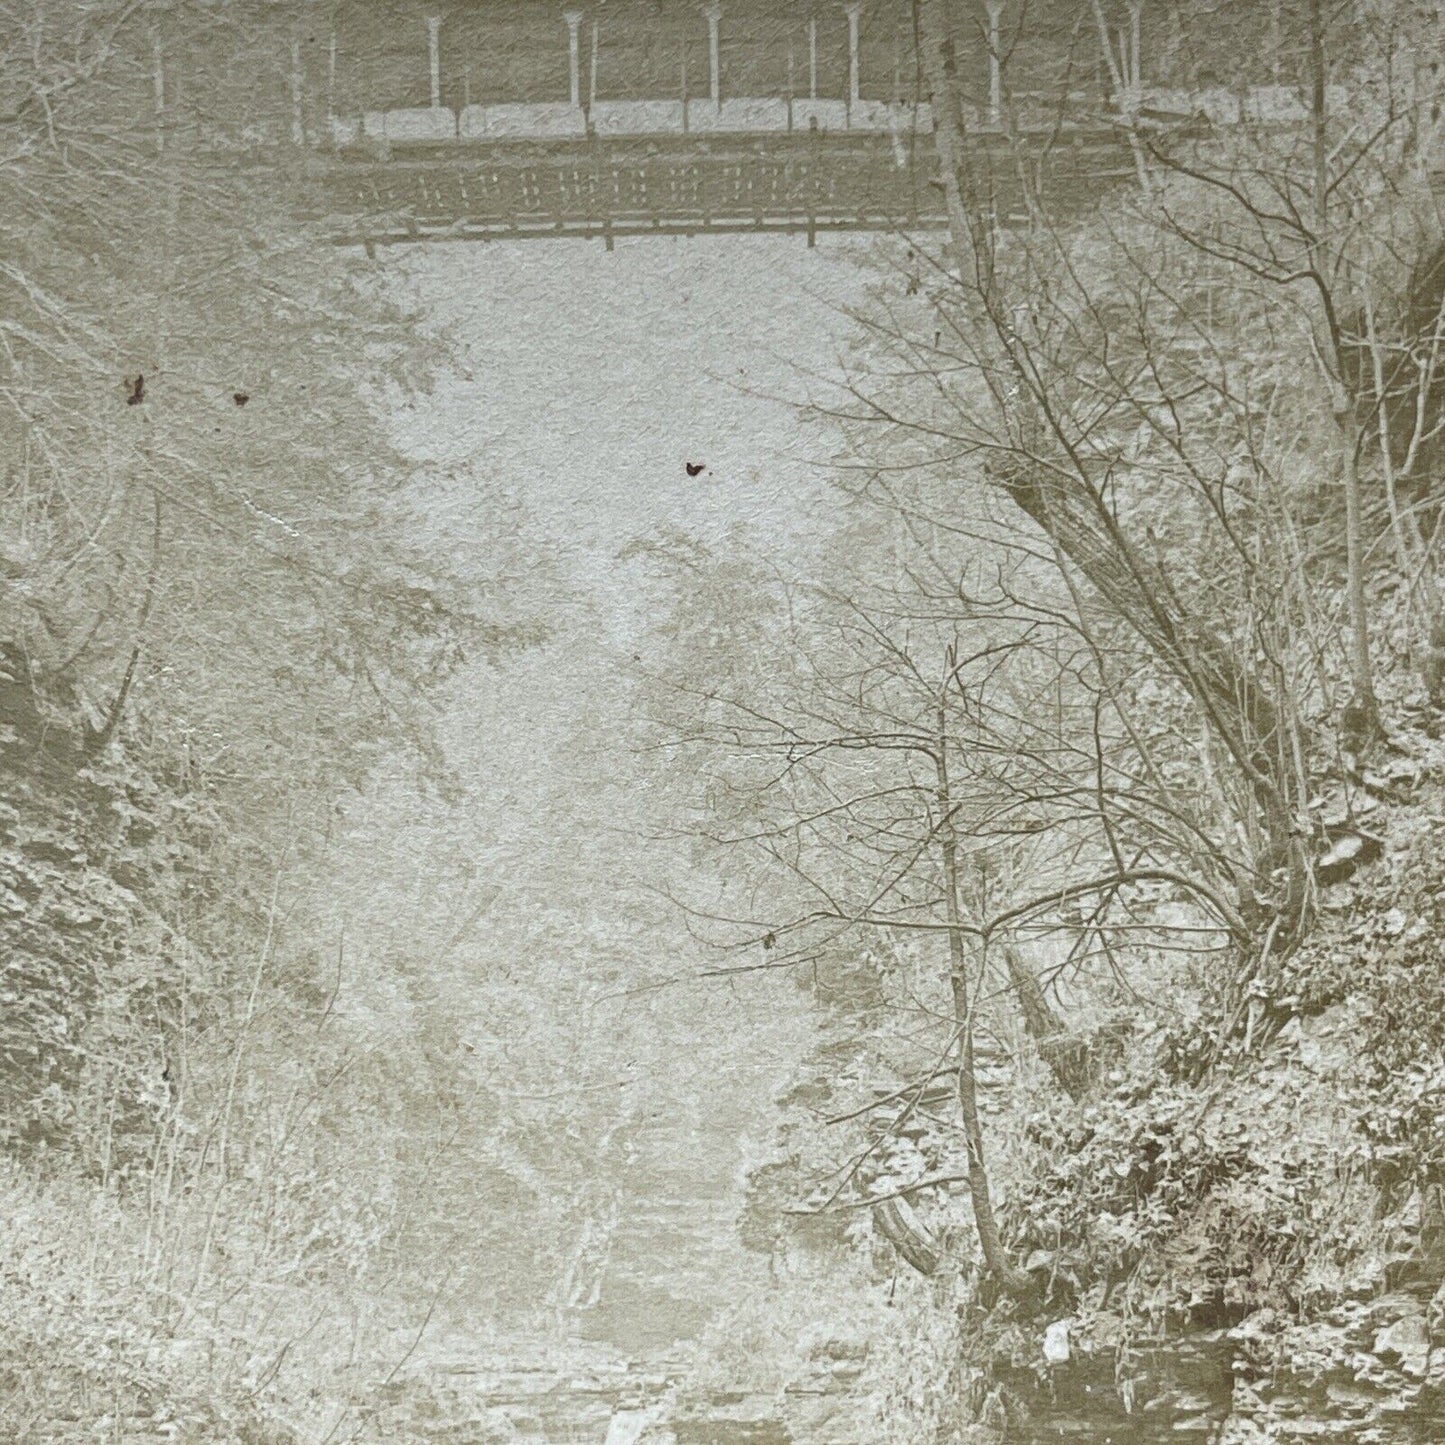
x: 801, y: 182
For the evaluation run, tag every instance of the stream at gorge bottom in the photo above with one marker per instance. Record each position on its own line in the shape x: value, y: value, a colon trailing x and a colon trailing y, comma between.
x: 1199, y: 1390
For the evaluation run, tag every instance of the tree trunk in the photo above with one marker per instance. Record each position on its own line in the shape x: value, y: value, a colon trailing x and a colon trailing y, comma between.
x: 1318, y: 139
x: 1125, y: 81
x: 1361, y: 722
x: 969, y: 228
x: 1064, y: 1055
x: 898, y: 1224
x: 1362, y: 716
x: 995, y: 1257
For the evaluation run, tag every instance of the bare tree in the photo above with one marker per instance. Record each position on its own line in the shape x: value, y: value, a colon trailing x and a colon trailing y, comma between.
x: 926, y: 761
x: 1098, y: 376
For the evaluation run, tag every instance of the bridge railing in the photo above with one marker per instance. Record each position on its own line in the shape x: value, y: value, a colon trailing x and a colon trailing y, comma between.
x: 750, y: 115
x: 544, y: 119
x: 766, y: 115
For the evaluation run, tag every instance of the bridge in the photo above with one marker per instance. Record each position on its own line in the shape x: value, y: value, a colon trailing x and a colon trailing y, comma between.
x: 798, y: 182
x: 531, y: 119
x: 674, y: 119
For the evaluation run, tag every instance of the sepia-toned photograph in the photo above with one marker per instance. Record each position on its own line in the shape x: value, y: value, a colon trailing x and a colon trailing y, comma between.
x: 722, y: 723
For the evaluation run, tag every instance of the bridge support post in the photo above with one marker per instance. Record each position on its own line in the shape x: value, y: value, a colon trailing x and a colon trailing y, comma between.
x: 592, y: 72
x: 995, y: 62
x: 574, y: 53
x: 855, y: 9
x: 714, y: 55
x: 434, y: 58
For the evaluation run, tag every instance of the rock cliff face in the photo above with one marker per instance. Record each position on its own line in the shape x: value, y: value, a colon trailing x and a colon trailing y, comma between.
x: 1369, y: 1373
